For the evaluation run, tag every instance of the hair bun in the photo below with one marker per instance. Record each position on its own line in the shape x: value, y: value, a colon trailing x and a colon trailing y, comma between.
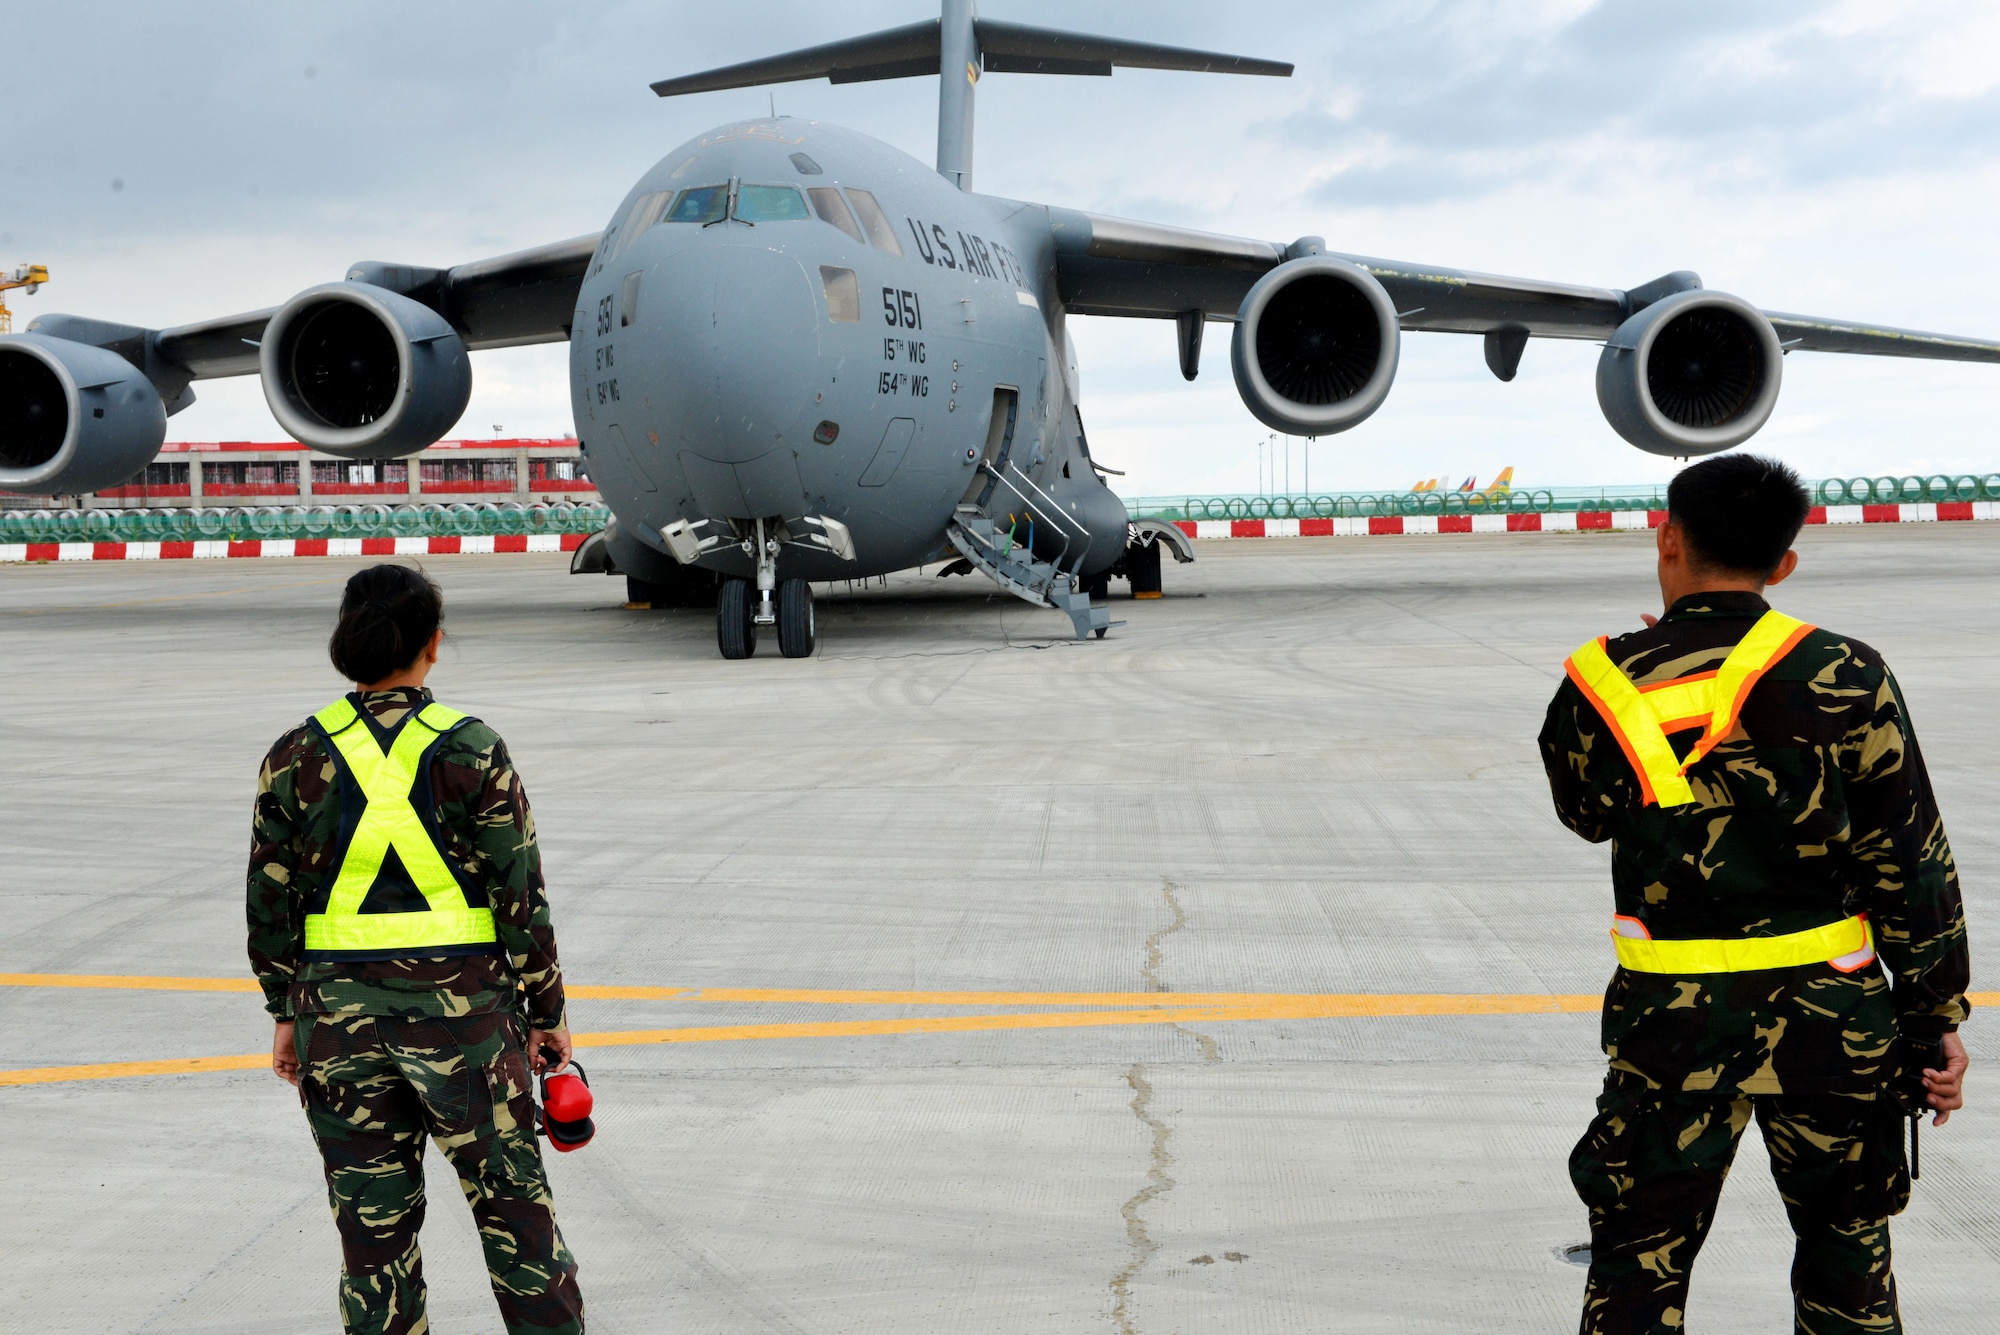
x: 388, y: 613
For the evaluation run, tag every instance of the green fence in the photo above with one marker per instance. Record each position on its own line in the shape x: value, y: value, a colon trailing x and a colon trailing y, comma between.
x: 1886, y: 490
x: 471, y: 520
x: 298, y: 521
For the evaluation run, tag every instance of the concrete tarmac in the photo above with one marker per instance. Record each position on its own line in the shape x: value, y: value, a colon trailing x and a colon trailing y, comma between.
x: 1310, y: 769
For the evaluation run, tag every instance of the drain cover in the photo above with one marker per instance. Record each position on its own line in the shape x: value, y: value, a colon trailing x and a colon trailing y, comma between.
x: 1577, y: 1253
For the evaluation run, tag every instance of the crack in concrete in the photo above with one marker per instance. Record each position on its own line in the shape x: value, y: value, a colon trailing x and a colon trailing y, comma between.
x: 1151, y: 969
x: 1158, y: 1179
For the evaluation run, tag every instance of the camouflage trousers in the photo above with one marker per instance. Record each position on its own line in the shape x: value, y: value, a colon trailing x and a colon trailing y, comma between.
x: 375, y: 1089
x: 1651, y: 1167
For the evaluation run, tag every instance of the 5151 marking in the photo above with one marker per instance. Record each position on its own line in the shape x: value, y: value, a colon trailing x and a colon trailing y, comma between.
x: 902, y: 309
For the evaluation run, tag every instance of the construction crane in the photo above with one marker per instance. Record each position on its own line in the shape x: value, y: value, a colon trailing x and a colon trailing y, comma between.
x: 29, y: 276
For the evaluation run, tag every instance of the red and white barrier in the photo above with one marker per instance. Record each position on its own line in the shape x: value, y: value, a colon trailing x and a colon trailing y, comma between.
x: 1584, y: 520
x: 265, y: 547
x: 1379, y: 526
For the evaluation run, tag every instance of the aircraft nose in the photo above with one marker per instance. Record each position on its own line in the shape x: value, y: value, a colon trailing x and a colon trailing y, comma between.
x: 741, y: 349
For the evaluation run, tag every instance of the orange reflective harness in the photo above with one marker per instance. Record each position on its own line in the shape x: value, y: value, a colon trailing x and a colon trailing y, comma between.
x: 1641, y: 717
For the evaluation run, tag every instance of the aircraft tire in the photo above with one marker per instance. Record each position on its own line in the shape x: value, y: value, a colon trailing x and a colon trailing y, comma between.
x: 798, y: 632
x: 735, y: 632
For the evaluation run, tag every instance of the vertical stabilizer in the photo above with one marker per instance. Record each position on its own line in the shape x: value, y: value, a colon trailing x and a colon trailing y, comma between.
x: 958, y: 81
x: 958, y: 47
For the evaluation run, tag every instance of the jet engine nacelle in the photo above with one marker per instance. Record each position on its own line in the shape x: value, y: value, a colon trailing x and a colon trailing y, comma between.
x: 1315, y: 346
x: 1690, y: 374
x: 360, y: 371
x: 73, y: 417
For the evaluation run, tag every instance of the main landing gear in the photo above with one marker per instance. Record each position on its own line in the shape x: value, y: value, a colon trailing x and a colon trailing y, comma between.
x: 736, y: 619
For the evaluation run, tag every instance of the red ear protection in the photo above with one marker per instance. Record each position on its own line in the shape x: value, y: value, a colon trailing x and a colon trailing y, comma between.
x: 564, y: 1116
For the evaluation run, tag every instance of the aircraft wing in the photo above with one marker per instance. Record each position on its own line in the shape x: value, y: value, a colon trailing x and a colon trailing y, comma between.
x: 526, y: 297
x: 1115, y: 266
x: 1809, y: 334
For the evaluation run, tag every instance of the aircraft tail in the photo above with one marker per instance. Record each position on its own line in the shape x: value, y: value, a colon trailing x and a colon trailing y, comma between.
x: 958, y: 47
x: 1503, y: 483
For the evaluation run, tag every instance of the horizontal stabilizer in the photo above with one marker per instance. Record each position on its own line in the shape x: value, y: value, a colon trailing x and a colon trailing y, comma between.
x: 1015, y: 48
x: 895, y: 53
x: 1012, y: 48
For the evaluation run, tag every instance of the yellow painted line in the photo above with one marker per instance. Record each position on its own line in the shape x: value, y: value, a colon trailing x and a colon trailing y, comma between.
x: 1329, y: 1007
x: 710, y: 1034
x: 1343, y: 1003
x: 1318, y: 1003
x: 134, y: 982
x: 1444, y: 1002
x: 1264, y: 1007
x: 1274, y: 1008
x: 49, y: 1075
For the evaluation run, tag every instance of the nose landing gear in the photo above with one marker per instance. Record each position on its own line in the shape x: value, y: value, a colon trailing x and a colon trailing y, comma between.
x: 797, y: 632
x: 786, y: 605
x: 735, y: 620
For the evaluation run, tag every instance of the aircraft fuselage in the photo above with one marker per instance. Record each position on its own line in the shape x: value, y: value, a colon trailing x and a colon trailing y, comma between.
x: 786, y: 319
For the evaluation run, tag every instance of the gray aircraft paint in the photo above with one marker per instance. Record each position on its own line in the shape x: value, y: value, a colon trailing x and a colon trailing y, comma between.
x: 719, y: 379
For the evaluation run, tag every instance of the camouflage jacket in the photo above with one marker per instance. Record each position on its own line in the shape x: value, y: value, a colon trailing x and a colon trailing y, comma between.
x: 488, y: 831
x: 1816, y: 806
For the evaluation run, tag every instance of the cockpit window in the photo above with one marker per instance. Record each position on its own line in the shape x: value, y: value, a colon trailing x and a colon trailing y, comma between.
x: 702, y: 204
x: 645, y: 211
x: 830, y: 207
x: 875, y: 222
x: 806, y: 166
x: 769, y: 203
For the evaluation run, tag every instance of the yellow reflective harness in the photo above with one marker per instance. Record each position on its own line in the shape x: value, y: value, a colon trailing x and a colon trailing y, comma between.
x: 1640, y: 718
x: 390, y: 822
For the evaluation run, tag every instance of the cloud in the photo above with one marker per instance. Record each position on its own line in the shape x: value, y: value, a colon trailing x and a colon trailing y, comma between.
x: 1836, y: 157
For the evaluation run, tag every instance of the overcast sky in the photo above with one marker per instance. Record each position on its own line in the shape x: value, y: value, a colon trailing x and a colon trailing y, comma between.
x: 172, y: 162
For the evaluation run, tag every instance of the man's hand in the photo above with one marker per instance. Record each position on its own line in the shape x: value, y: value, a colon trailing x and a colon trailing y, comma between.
x: 559, y: 1040
x: 285, y: 1053
x: 1946, y: 1089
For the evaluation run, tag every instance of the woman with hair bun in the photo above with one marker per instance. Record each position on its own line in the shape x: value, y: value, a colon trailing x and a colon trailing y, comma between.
x: 400, y: 931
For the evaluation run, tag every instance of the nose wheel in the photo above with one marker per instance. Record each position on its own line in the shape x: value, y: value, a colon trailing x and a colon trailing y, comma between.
x: 797, y: 634
x: 735, y: 619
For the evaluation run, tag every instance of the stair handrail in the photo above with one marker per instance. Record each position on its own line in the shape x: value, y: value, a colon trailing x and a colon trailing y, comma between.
x: 1000, y: 560
x: 1061, y: 521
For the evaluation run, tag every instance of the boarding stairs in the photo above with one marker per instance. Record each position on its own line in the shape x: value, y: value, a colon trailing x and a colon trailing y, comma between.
x: 993, y: 549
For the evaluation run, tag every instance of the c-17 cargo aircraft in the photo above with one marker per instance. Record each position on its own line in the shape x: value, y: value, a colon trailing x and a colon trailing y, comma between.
x: 799, y: 354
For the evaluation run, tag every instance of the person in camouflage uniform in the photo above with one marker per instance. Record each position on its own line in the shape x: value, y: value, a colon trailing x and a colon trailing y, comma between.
x: 389, y: 1052
x: 1815, y: 806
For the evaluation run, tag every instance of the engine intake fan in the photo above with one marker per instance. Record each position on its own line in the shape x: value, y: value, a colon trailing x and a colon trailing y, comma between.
x: 73, y: 418
x: 1315, y: 346
x: 1693, y: 373
x: 358, y: 370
